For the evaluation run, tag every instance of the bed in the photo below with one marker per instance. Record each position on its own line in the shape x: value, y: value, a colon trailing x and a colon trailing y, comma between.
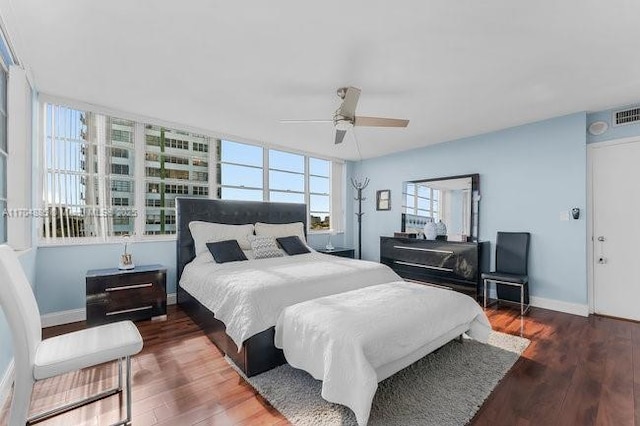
x: 352, y: 341
x: 238, y: 316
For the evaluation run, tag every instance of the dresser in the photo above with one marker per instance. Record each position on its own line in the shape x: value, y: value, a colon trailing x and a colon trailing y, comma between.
x: 135, y: 294
x: 456, y: 265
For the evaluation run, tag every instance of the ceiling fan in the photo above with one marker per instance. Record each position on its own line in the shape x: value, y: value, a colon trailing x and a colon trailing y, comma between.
x: 345, y: 116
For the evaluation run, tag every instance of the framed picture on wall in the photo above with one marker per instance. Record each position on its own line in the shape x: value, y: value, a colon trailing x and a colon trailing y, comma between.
x: 383, y: 199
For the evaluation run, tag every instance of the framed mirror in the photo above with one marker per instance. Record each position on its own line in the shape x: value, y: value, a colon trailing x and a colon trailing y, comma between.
x: 449, y: 202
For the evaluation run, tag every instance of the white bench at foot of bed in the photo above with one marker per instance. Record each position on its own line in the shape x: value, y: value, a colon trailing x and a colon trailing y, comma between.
x: 353, y: 340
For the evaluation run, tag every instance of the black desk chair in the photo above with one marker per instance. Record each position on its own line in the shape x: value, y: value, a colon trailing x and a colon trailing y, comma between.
x: 512, y: 258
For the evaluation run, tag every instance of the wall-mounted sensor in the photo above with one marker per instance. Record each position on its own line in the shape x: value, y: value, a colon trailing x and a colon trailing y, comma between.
x: 575, y: 213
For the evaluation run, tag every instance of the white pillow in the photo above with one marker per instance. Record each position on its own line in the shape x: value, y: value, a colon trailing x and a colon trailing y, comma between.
x: 264, y: 247
x: 208, y: 232
x: 278, y: 230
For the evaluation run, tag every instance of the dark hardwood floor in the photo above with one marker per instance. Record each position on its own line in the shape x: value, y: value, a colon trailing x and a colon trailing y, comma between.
x: 577, y: 371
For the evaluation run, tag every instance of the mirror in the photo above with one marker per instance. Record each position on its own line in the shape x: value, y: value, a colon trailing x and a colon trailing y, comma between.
x: 449, y: 201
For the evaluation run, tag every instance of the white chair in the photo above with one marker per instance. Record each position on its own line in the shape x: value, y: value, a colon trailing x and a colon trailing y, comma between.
x: 37, y: 359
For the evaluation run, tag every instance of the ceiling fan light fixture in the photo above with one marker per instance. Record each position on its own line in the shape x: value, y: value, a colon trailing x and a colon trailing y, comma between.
x: 343, y: 123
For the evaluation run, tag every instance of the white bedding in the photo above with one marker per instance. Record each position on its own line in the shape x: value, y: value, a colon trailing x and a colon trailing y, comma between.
x: 347, y: 340
x: 249, y: 296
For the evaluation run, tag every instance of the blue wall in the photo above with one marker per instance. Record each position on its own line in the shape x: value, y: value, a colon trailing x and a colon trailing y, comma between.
x: 613, y: 132
x: 61, y: 270
x: 28, y: 261
x: 528, y: 176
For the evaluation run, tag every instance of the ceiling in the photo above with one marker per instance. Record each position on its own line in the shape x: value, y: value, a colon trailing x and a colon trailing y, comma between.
x: 454, y: 69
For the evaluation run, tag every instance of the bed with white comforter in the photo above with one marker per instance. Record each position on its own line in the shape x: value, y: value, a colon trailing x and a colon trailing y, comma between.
x: 249, y: 296
x: 353, y: 340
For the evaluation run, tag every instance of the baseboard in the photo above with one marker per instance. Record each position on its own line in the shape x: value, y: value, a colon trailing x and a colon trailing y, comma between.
x: 6, y: 382
x: 75, y: 315
x: 560, y: 306
x: 63, y: 317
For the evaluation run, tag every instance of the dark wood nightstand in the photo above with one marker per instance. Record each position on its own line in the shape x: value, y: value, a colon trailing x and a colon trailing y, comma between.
x: 135, y: 294
x: 338, y: 251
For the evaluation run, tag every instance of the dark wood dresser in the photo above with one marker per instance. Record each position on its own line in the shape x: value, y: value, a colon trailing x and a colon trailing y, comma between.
x: 455, y: 265
x: 135, y: 294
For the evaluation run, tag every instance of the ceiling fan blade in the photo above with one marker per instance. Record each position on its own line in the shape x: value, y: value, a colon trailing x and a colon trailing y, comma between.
x: 380, y: 122
x: 306, y: 121
x: 340, y: 136
x: 348, y: 107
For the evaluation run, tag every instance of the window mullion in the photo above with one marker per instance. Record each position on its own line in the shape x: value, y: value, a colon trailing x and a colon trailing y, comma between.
x: 265, y: 175
x: 100, y: 138
x: 213, y: 168
x: 307, y: 190
x: 139, y: 144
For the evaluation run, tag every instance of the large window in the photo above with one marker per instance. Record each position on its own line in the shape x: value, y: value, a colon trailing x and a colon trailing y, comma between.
x: 106, y: 177
x: 175, y: 165
x: 3, y: 154
x: 85, y: 185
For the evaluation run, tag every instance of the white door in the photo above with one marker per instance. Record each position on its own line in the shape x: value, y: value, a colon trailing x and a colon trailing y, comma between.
x: 616, y: 229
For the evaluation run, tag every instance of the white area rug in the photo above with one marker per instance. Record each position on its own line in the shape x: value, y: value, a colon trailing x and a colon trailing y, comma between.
x: 444, y: 388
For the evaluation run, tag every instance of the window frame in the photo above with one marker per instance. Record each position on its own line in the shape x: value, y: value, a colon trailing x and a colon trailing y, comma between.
x: 4, y: 105
x: 139, y: 181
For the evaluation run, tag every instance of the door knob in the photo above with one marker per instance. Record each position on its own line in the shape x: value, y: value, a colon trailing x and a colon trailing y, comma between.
x: 601, y: 238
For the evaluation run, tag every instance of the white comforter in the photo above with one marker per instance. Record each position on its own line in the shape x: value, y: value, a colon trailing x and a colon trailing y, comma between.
x: 249, y: 296
x: 343, y: 339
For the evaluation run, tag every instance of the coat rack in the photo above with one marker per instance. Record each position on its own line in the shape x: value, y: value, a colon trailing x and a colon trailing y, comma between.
x: 359, y: 186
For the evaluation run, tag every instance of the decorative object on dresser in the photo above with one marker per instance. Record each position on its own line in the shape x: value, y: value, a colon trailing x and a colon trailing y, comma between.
x: 383, y: 199
x: 338, y: 251
x: 329, y: 246
x: 430, y: 230
x: 359, y: 186
x: 455, y: 265
x: 134, y: 294
x: 511, y: 273
x: 126, y: 260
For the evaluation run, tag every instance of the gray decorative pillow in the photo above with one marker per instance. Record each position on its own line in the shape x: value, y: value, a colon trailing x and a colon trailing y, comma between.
x: 264, y: 247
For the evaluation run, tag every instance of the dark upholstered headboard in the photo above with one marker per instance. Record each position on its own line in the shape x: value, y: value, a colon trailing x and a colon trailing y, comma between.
x: 231, y: 213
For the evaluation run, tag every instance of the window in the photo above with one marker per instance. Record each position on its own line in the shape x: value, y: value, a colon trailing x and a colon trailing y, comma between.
x: 240, y: 171
x: 79, y: 194
x: 286, y: 177
x: 91, y: 170
x: 319, y: 194
x: 165, y: 165
x: 3, y: 154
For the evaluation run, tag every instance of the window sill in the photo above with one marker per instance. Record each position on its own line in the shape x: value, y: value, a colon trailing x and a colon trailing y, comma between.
x: 94, y: 242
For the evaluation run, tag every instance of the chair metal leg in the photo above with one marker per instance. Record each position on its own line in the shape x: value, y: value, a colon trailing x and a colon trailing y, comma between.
x: 120, y: 373
x: 128, y: 392
x: 485, y: 293
x: 19, y: 410
x: 77, y: 404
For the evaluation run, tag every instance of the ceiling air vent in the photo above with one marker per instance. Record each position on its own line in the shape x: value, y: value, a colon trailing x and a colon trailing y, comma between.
x: 627, y: 116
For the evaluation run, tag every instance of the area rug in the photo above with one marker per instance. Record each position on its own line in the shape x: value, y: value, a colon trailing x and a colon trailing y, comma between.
x: 444, y: 388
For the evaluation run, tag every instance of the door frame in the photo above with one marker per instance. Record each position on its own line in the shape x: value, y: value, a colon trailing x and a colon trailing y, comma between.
x: 591, y: 148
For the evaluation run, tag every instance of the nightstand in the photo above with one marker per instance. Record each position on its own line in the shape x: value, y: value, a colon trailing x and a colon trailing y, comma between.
x: 135, y: 294
x: 338, y: 251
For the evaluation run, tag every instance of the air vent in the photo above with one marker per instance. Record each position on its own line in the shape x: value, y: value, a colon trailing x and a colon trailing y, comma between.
x: 627, y: 116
